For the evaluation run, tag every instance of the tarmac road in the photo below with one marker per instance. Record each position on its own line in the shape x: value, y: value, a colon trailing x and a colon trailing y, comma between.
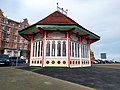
x: 100, y: 77
x: 112, y: 66
x: 16, y: 79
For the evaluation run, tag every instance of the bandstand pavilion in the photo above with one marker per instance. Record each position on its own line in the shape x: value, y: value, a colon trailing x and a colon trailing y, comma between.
x: 59, y: 41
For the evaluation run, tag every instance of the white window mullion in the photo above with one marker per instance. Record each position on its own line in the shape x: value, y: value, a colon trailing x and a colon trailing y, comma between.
x: 40, y: 50
x: 50, y: 48
x: 74, y: 49
x: 56, y: 48
x: 86, y: 51
x: 77, y: 49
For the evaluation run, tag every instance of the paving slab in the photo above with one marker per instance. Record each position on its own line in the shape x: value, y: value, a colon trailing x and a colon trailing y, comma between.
x: 17, y: 79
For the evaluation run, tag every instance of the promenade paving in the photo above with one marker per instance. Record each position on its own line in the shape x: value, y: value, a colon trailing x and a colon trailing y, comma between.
x: 12, y: 78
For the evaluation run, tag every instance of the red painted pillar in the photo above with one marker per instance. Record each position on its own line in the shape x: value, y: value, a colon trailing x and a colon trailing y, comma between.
x: 68, y: 37
x: 43, y: 44
x: 69, y: 52
x: 43, y: 54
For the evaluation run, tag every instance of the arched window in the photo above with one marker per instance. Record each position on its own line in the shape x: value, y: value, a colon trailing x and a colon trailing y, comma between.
x: 53, y: 48
x: 64, y: 48
x: 59, y: 48
x: 48, y: 48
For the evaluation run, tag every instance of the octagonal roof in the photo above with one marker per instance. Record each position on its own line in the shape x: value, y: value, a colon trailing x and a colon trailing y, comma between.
x: 55, y: 21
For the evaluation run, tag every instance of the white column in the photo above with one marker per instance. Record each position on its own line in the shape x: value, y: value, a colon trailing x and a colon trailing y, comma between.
x: 50, y: 48
x: 40, y: 49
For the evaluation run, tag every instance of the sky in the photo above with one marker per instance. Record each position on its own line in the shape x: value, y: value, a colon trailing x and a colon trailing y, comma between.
x: 102, y: 17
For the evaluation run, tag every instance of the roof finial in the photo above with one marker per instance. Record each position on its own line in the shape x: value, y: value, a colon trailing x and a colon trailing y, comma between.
x: 62, y: 10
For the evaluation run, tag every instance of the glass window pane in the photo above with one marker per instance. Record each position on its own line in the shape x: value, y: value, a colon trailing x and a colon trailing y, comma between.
x: 82, y: 50
x: 48, y: 48
x: 59, y: 48
x: 72, y: 49
x: 78, y: 51
x: 36, y: 49
x: 53, y: 48
x: 33, y: 48
x: 75, y: 49
x: 64, y: 48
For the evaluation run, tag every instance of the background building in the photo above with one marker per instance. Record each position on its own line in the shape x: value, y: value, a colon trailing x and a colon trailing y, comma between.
x: 103, y: 55
x: 92, y: 57
x: 10, y: 41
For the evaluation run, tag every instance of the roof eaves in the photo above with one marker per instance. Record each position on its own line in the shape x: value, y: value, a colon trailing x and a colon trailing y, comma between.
x: 70, y: 26
x: 60, y: 26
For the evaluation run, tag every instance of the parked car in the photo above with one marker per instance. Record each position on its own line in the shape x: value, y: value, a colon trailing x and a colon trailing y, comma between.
x: 101, y: 61
x: 4, y: 59
x: 18, y: 59
x: 109, y: 61
x: 94, y: 62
